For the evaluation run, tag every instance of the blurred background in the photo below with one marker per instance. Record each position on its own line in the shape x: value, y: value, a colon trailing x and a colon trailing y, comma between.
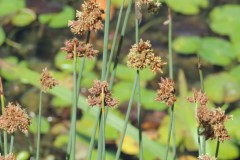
x: 33, y: 31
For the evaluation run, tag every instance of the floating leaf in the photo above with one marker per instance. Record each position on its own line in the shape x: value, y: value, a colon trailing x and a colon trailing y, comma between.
x: 58, y: 102
x: 10, y: 6
x: 129, y: 146
x: 148, y: 100
x: 187, y: 44
x: 188, y: 7
x: 24, y: 17
x: 216, y: 51
x: 128, y: 74
x: 118, y: 3
x: 58, y: 20
x: 222, y: 87
x: 235, y: 72
x: 120, y: 88
x: 45, y: 126
x: 2, y: 36
x: 225, y: 19
x: 23, y: 155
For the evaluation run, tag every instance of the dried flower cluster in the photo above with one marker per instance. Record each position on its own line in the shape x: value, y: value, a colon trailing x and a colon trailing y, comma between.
x: 87, y: 20
x: 82, y: 49
x: 13, y: 118
x: 141, y: 55
x: 47, y: 81
x: 153, y: 6
x: 166, y: 92
x: 211, y: 122
x: 9, y: 156
x: 198, y: 97
x: 206, y: 157
x: 96, y: 95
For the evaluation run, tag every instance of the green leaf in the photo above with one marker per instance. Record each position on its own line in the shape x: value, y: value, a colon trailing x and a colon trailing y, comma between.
x: 23, y: 155
x: 58, y: 20
x: 118, y: 3
x: 225, y: 19
x: 187, y: 44
x: 2, y: 36
x: 188, y: 7
x: 11, y: 6
x: 235, y: 72
x: 114, y: 121
x: 58, y: 102
x: 216, y: 51
x: 148, y: 100
x: 45, y: 126
x: 128, y: 74
x: 24, y: 17
x: 222, y: 87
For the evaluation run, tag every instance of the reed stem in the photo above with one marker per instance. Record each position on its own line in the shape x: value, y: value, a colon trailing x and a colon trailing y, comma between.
x: 39, y: 125
x: 127, y: 117
x: 11, y: 143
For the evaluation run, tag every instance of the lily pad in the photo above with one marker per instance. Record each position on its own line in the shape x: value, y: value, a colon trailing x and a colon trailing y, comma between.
x: 225, y: 19
x: 216, y: 51
x: 148, y: 100
x: 12, y: 6
x: 2, y: 36
x: 187, y: 44
x: 58, y: 20
x: 118, y: 3
x: 122, y: 91
x: 128, y: 74
x: 188, y: 7
x: 24, y: 17
x: 222, y: 87
x: 235, y: 72
x: 45, y: 126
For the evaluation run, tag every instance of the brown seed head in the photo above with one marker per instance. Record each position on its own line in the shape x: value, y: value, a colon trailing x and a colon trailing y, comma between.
x: 198, y: 97
x: 206, y: 157
x: 47, y: 81
x: 96, y: 93
x: 89, y: 19
x: 141, y: 55
x: 152, y: 5
x: 166, y: 92
x: 212, y: 123
x: 13, y: 118
x: 9, y: 156
x: 82, y: 49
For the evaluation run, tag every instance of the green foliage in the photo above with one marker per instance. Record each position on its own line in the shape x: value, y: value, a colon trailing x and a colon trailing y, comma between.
x: 187, y: 44
x: 7, y: 7
x: 222, y: 87
x: 24, y: 17
x: 225, y: 19
x: 44, y: 127
x: 117, y: 3
x: 2, y: 36
x: 216, y: 51
x: 58, y: 20
x: 23, y: 155
x: 188, y: 7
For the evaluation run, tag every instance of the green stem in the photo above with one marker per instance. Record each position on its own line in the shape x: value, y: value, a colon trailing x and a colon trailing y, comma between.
x: 217, y: 149
x: 29, y: 144
x: 80, y: 73
x: 74, y: 108
x: 11, y: 143
x: 171, y: 130
x: 100, y: 142
x: 127, y: 118
x: 114, y: 39
x: 39, y: 125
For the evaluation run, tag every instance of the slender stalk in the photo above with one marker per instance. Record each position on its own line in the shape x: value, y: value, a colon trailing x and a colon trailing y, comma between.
x: 203, y: 138
x: 138, y: 97
x: 114, y: 39
x: 74, y: 108
x: 29, y: 144
x: 103, y: 124
x: 1, y: 143
x: 100, y: 139
x: 11, y: 143
x: 126, y: 118
x: 217, y: 149
x: 171, y: 130
x: 39, y: 125
x: 79, y: 78
x: 2, y: 107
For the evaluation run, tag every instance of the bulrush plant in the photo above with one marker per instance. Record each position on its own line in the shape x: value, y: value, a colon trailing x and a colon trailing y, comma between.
x: 141, y: 56
x: 47, y: 82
